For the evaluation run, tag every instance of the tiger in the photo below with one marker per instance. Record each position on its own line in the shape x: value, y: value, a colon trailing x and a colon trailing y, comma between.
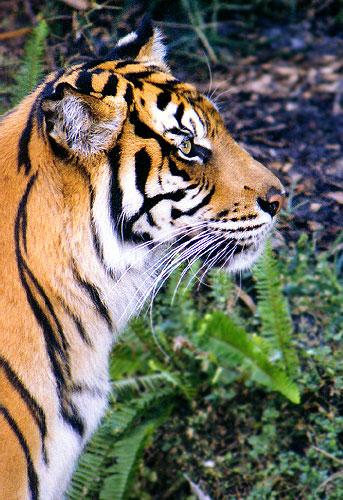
x: 113, y: 173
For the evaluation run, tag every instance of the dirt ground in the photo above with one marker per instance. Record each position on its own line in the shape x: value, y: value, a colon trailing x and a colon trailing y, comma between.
x: 285, y: 106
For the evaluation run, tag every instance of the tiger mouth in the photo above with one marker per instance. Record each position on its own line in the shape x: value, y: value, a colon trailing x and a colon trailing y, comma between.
x: 224, y: 250
x: 221, y: 253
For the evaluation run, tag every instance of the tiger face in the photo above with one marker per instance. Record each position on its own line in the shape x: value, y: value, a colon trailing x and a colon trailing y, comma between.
x: 158, y: 151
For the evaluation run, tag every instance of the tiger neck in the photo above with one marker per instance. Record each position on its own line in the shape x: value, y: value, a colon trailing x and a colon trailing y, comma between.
x: 94, y: 282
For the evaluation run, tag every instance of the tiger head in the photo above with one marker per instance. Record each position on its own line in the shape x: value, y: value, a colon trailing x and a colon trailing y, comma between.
x: 157, y: 154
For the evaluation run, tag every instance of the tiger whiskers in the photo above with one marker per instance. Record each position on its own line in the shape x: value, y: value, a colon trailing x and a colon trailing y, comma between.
x: 183, y: 257
x: 190, y: 264
x: 166, y: 265
x: 157, y: 245
x: 164, y: 260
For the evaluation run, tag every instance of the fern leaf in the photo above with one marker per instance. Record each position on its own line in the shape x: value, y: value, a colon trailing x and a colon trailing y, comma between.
x: 135, y: 385
x: 273, y: 310
x: 126, y: 453
x: 223, y: 328
x: 31, y: 69
x: 92, y: 463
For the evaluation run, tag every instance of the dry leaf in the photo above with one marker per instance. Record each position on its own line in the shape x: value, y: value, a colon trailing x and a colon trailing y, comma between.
x: 77, y: 4
x: 335, y: 195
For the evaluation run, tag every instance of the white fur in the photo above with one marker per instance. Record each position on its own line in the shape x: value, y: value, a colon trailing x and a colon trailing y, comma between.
x: 76, y: 125
x: 158, y: 51
x: 130, y: 37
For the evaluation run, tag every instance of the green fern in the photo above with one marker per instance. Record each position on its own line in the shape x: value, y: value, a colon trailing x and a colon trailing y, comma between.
x: 127, y: 453
x: 91, y: 466
x: 231, y: 336
x: 31, y: 67
x: 273, y: 311
x: 115, y: 448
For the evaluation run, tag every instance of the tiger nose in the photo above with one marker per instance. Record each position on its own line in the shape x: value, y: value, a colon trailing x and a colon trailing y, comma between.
x: 272, y: 203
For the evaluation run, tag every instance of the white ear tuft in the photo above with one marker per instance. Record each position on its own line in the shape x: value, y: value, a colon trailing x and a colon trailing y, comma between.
x: 126, y: 40
x: 83, y: 124
x: 154, y: 52
x: 144, y: 45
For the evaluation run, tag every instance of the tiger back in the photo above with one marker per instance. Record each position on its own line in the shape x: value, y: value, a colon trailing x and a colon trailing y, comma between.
x: 113, y: 174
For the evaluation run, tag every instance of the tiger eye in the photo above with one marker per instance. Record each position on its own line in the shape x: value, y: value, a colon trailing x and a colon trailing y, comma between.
x: 186, y: 147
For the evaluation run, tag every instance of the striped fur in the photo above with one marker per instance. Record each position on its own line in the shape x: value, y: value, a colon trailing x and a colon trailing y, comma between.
x: 113, y: 173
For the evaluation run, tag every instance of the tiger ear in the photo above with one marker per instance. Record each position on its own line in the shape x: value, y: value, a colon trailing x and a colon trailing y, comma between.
x: 143, y: 45
x: 81, y: 123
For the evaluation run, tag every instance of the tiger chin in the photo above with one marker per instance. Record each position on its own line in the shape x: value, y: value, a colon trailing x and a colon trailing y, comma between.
x: 113, y: 173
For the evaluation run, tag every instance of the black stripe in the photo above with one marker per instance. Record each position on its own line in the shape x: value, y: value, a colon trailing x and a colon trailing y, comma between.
x: 81, y: 330
x: 94, y: 295
x: 116, y: 195
x: 46, y: 93
x: 122, y: 64
x: 142, y: 130
x: 128, y: 96
x: 77, y: 322
x: 57, y: 350
x: 31, y: 472
x: 136, y: 78
x: 138, y: 75
x: 59, y: 151
x: 223, y: 213
x: 248, y: 217
x: 96, y: 242
x: 110, y: 88
x: 142, y: 168
x: 170, y: 85
x: 95, y: 238
x: 24, y: 141
x: 203, y: 203
x: 179, y: 114
x: 71, y: 416
x: 84, y: 82
x: 246, y: 228
x: 34, y: 408
x: 150, y: 220
x: 148, y: 204
x: 174, y: 170
x: 163, y: 99
x: 176, y: 213
x: 96, y: 392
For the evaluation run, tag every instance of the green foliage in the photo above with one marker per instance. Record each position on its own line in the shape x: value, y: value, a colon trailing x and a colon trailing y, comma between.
x: 31, y: 66
x: 191, y: 354
x: 106, y: 469
x: 127, y: 452
x: 224, y: 334
x: 274, y: 313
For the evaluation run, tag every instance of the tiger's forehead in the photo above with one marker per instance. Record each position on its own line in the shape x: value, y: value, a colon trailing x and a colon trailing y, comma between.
x: 164, y: 100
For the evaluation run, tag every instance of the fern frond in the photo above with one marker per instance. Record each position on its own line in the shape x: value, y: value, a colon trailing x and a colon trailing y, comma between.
x: 90, y: 470
x: 118, y: 425
x: 221, y: 287
x: 272, y: 308
x: 31, y: 68
x: 127, y: 453
x: 223, y: 328
x: 135, y: 385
